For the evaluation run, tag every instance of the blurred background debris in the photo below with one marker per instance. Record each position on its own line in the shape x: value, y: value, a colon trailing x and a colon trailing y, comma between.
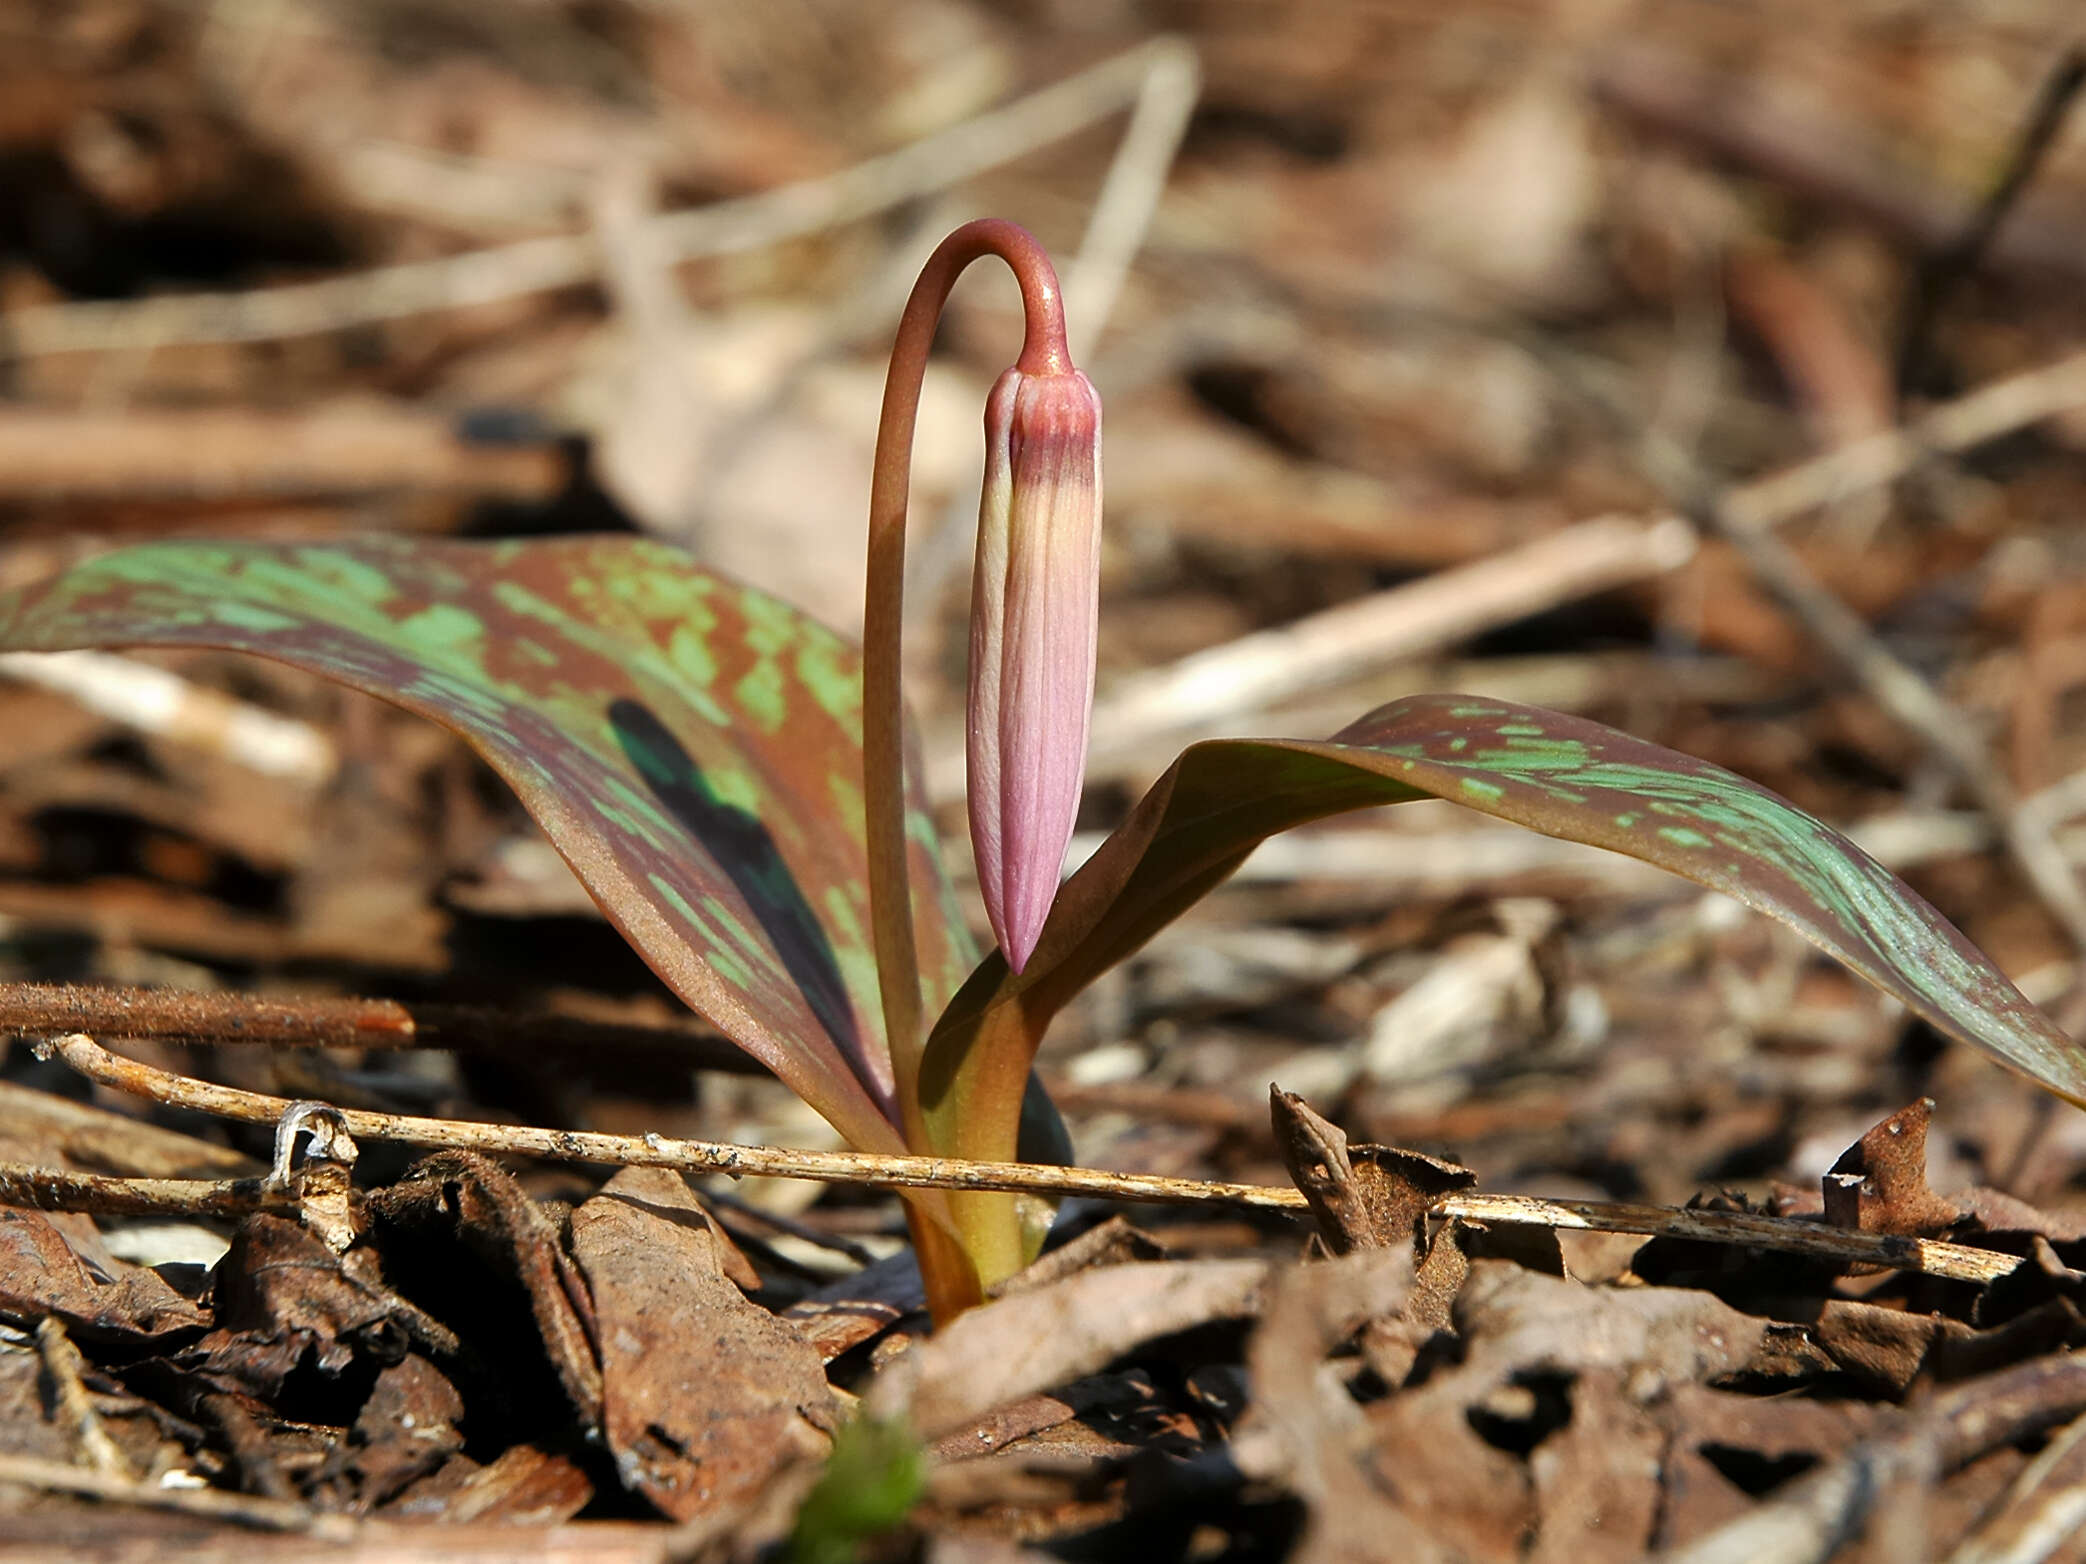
x: 1715, y: 371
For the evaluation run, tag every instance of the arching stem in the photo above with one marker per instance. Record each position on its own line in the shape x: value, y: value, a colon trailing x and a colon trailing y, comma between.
x: 1043, y: 351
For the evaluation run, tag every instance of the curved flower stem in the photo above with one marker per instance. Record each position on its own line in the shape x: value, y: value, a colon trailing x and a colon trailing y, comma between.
x: 1043, y: 351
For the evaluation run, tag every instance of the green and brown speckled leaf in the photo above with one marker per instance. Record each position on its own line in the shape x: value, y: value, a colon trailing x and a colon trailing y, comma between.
x: 692, y: 747
x: 1561, y: 775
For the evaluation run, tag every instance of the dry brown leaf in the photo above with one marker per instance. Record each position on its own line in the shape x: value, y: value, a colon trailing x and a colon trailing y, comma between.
x: 1304, y: 1428
x: 40, y: 1273
x: 1597, y: 1486
x: 459, y: 1196
x: 88, y: 1137
x: 524, y: 1487
x: 1536, y: 1349
x: 1365, y: 1197
x: 1035, y: 1340
x: 844, y: 1314
x: 29, y: 1420
x: 1724, y: 1448
x: 284, y: 1300
x: 1880, y: 1183
x: 704, y: 1394
x: 405, y: 1430
x: 1516, y: 1320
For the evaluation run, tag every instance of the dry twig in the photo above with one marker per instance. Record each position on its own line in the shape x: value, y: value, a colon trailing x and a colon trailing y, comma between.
x: 63, y: 1364
x: 1257, y: 670
x: 1991, y: 411
x: 36, y: 1010
x: 1129, y: 195
x: 215, y: 1504
x: 1954, y: 1261
x: 52, y: 1189
x: 2044, y: 1508
x: 1943, y: 272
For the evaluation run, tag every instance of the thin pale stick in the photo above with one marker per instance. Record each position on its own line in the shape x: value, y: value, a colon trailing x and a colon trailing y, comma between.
x: 1130, y: 191
x: 2044, y: 1507
x: 1992, y: 410
x: 63, y: 1366
x: 334, y: 449
x: 214, y: 1503
x: 156, y: 701
x: 1957, y: 1262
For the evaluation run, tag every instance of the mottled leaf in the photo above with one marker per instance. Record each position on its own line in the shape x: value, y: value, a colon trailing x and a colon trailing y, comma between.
x: 1563, y: 776
x: 692, y: 747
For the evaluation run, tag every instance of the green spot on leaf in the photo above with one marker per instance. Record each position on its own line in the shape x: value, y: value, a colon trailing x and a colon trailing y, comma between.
x: 762, y: 697
x: 245, y: 616
x: 833, y: 682
x: 442, y: 628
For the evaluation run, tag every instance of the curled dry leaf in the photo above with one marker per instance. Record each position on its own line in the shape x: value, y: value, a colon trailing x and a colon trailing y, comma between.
x: 1535, y: 1349
x: 845, y: 1313
x: 57, y: 1132
x: 405, y: 1430
x: 33, y: 1423
x: 1596, y: 1480
x: 1517, y: 1321
x: 1364, y: 1197
x: 1718, y: 1433
x: 1880, y: 1183
x: 1808, y: 1520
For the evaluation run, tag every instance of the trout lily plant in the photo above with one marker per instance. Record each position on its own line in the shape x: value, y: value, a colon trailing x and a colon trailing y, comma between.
x: 733, y: 783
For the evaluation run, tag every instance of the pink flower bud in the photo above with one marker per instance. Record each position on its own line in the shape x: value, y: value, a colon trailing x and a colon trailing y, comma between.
x: 1034, y: 606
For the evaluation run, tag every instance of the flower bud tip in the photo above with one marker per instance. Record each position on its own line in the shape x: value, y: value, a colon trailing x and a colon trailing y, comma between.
x: 1034, y: 609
